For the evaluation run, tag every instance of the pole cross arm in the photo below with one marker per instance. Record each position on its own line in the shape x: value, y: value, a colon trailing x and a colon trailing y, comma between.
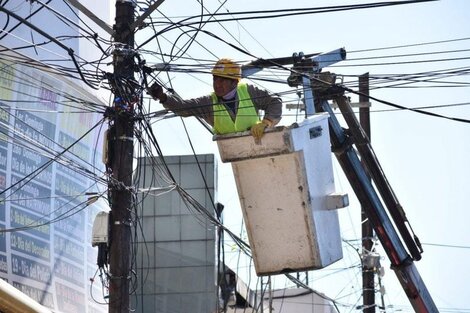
x: 328, y: 58
x: 316, y: 61
x: 107, y: 28
x: 259, y: 64
x: 140, y: 20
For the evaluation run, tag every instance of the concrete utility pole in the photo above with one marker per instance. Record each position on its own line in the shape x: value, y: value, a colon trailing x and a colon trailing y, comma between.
x: 368, y: 286
x: 121, y: 149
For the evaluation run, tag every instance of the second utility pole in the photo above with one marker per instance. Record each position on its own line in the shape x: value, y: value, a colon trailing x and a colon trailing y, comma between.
x: 121, y: 150
x: 368, y: 274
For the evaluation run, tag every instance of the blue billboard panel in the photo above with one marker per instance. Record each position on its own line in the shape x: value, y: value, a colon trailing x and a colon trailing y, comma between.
x: 30, y: 269
x: 25, y: 161
x: 24, y: 219
x: 73, y: 226
x: 29, y: 195
x: 31, y: 246
x: 69, y: 272
x: 69, y: 249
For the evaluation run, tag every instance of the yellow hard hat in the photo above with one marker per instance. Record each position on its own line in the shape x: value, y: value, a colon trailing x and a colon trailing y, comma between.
x: 228, y: 69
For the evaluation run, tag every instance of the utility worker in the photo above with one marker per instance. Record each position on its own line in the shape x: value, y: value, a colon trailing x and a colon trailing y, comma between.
x: 232, y: 107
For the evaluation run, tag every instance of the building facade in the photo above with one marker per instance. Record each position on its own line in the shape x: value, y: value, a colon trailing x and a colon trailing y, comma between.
x: 176, y: 259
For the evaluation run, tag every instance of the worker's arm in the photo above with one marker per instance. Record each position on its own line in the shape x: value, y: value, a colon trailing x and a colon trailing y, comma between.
x: 270, y: 104
x: 201, y: 107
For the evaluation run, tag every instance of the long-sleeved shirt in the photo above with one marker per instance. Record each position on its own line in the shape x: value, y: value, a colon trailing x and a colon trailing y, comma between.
x: 203, y: 106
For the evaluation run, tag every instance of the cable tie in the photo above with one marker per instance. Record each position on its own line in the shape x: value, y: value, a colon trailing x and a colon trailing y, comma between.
x: 126, y: 138
x: 122, y: 223
x: 119, y: 277
x: 162, y: 67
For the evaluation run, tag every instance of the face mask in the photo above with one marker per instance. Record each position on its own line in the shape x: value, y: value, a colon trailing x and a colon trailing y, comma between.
x: 230, y: 95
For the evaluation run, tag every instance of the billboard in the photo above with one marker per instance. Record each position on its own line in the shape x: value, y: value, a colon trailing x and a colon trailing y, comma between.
x: 47, y: 165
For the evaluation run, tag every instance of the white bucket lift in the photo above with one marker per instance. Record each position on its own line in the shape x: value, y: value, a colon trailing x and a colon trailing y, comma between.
x: 287, y: 193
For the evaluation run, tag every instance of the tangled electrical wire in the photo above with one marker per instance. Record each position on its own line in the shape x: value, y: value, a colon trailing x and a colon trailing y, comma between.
x: 130, y: 100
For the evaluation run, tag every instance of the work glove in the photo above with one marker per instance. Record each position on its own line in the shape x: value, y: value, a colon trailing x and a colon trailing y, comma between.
x: 257, y: 130
x: 156, y: 91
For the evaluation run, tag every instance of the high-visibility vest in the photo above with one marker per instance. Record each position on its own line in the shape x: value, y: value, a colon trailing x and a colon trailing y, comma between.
x: 246, y: 116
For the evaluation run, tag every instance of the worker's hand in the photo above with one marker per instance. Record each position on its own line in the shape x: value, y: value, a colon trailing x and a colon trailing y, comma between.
x: 156, y: 91
x: 257, y: 130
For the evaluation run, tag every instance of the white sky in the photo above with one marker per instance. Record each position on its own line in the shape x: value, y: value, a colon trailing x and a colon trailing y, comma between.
x: 425, y: 158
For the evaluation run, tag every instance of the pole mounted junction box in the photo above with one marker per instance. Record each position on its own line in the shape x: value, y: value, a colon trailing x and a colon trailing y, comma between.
x: 286, y: 188
x: 100, y: 230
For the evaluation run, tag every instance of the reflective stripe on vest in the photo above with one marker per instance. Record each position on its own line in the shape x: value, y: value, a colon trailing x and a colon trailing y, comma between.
x: 246, y: 116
